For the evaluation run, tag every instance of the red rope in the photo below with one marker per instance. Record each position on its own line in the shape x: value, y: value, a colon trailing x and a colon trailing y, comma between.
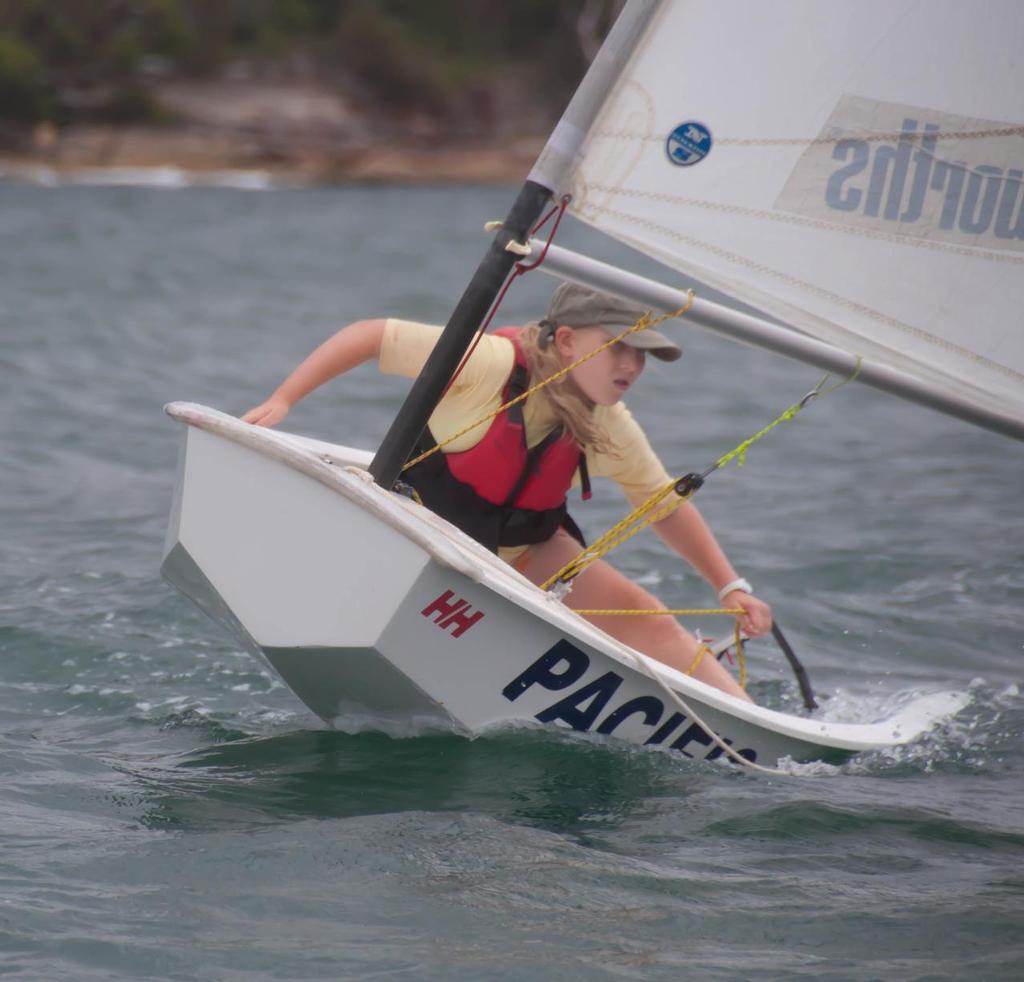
x: 518, y: 271
x: 566, y: 198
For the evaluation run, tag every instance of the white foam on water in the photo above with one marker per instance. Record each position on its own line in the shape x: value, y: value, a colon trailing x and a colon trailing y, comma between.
x: 146, y: 177
x: 165, y: 177
x: 400, y: 727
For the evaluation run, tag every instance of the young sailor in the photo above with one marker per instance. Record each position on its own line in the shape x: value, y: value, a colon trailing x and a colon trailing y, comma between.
x: 505, y: 483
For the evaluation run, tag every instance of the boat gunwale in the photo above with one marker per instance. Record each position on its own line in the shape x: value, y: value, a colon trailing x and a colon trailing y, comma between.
x: 447, y: 545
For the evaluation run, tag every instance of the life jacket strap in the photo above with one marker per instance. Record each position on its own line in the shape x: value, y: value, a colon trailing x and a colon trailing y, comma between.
x: 585, y: 492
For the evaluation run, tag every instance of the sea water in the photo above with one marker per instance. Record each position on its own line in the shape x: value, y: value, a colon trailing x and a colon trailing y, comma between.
x: 169, y: 810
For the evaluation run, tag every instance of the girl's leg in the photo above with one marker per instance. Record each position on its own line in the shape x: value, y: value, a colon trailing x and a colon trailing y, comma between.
x: 600, y: 585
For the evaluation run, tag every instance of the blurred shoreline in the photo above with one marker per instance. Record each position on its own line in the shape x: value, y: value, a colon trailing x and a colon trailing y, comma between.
x: 291, y: 92
x: 273, y: 135
x: 138, y: 156
x: 155, y: 163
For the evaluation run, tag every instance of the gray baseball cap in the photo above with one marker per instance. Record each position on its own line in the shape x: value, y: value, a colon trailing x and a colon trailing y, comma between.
x: 579, y: 306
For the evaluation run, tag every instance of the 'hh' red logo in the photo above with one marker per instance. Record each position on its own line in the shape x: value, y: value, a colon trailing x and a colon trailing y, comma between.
x: 452, y: 613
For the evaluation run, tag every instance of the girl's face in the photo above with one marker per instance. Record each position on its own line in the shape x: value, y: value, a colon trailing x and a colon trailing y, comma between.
x: 606, y: 377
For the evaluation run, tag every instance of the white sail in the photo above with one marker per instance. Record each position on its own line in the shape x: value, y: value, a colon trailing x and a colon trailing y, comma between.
x: 854, y: 169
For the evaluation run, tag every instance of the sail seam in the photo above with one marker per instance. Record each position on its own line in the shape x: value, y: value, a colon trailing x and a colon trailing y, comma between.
x: 829, y: 295
x: 790, y: 219
x: 868, y: 136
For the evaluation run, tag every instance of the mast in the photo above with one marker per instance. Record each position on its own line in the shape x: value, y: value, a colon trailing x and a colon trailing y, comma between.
x: 546, y: 178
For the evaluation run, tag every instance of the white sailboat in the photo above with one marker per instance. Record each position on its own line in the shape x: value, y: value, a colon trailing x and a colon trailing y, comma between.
x: 871, y: 199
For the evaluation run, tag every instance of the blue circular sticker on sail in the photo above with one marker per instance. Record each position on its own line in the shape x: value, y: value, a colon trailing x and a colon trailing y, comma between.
x: 689, y: 143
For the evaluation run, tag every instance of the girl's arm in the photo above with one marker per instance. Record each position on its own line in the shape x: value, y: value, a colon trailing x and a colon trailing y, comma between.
x: 685, y: 531
x: 351, y: 346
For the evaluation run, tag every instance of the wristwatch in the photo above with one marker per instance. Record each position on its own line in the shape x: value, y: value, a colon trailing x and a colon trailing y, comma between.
x: 737, y: 584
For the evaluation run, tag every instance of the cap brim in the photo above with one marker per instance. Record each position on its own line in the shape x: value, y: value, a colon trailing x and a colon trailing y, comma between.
x: 654, y: 343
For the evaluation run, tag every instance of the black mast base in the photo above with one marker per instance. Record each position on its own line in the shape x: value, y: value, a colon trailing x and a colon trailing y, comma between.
x: 466, y: 319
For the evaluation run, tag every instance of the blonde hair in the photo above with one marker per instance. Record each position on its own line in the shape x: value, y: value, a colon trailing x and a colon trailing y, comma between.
x: 571, y: 407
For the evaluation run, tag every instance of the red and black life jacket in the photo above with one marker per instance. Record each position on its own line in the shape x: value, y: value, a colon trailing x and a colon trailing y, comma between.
x: 500, y: 492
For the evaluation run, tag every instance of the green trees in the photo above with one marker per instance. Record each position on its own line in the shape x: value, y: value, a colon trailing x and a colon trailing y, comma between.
x: 89, y: 59
x: 24, y: 96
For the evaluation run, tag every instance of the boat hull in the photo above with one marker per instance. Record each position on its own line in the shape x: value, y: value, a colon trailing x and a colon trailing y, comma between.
x: 377, y: 613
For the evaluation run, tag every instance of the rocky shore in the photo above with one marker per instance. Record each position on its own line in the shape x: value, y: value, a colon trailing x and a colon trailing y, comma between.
x: 289, y: 133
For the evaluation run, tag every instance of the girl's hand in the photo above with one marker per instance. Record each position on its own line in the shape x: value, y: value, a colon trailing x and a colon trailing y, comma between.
x: 270, y: 413
x: 758, y: 617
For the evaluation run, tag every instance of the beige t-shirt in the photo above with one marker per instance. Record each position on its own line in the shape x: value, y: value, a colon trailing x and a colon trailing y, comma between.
x: 478, y: 390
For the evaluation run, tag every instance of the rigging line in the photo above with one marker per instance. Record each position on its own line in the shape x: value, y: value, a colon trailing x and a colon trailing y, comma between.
x: 646, y: 321
x: 618, y: 534
x: 520, y: 269
x: 564, y: 203
x: 675, y: 611
x: 704, y: 649
x: 868, y: 136
x: 740, y: 452
x: 685, y: 487
x: 645, y: 664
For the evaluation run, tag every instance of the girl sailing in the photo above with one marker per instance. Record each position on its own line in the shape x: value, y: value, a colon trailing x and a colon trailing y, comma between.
x: 505, y: 484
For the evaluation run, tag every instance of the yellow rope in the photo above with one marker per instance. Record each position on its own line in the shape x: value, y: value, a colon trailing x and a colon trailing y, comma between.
x: 641, y: 325
x: 736, y: 612
x: 702, y: 650
x: 678, y: 612
x: 740, y: 452
x: 641, y: 517
x: 740, y: 655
